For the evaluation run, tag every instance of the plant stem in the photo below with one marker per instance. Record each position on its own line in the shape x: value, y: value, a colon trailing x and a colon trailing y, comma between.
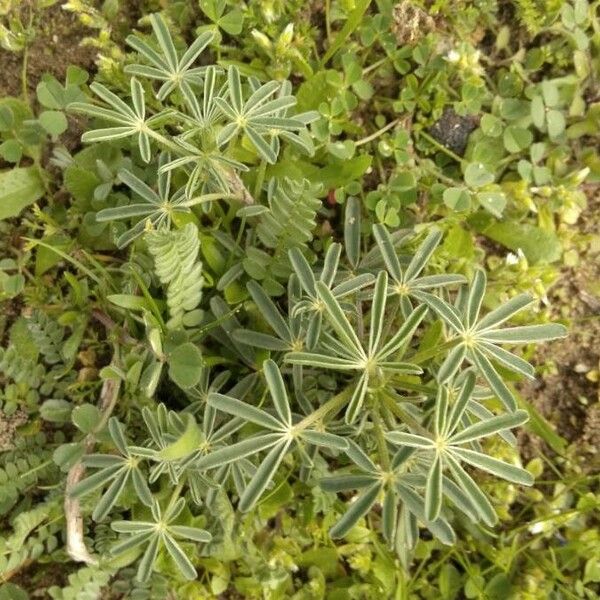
x: 175, y: 495
x: 436, y: 172
x: 375, y: 65
x: 393, y: 406
x: 377, y: 133
x: 441, y: 147
x: 207, y: 198
x: 75, y: 543
x: 161, y: 139
x: 421, y: 357
x: 331, y: 406
x: 146, y: 293
x: 384, y: 455
x: 24, y: 87
x: 260, y: 178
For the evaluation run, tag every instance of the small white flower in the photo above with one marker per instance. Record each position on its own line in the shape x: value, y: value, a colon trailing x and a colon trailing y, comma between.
x: 511, y: 259
x: 537, y: 527
x: 453, y: 56
x: 515, y: 259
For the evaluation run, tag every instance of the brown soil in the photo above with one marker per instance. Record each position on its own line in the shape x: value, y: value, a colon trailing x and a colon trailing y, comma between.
x: 569, y: 396
x: 57, y: 44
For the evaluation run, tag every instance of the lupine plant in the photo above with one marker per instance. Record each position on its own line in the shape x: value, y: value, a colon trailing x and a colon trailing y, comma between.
x: 357, y: 366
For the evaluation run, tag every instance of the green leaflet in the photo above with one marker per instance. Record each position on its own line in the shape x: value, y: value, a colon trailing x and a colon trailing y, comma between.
x: 186, y: 444
x: 359, y: 508
x: 19, y: 188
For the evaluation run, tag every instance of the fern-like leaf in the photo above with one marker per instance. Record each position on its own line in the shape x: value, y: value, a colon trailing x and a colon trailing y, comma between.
x: 177, y: 267
x: 289, y: 222
x: 47, y: 334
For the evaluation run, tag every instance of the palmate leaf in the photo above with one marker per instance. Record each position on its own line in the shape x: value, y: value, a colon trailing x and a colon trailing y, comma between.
x: 210, y: 170
x: 157, y: 534
x: 127, y: 121
x: 257, y: 117
x: 168, y: 66
x: 278, y: 443
x: 444, y: 447
x: 173, y: 437
x: 407, y: 281
x: 478, y: 339
x: 397, y: 488
x: 312, y: 306
x: 115, y: 472
x: 301, y: 139
x: 346, y: 353
x: 156, y: 207
x: 290, y: 333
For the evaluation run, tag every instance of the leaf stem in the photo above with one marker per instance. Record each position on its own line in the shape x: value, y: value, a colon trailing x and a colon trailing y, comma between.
x: 384, y: 455
x: 174, y: 496
x: 331, y: 406
x: 395, y: 408
x: 377, y: 133
x: 207, y: 198
x: 375, y: 65
x: 421, y: 357
x: 260, y: 178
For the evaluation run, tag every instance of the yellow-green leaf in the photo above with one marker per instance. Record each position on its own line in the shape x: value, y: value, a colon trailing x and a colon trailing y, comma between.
x: 19, y: 188
x: 186, y: 444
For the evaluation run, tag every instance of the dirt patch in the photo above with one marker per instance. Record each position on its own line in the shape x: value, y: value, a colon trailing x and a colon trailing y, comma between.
x: 453, y: 130
x: 57, y: 44
x: 569, y: 397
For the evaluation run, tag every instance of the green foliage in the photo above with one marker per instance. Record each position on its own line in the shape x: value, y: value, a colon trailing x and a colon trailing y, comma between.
x: 35, y: 533
x: 87, y: 582
x: 21, y: 468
